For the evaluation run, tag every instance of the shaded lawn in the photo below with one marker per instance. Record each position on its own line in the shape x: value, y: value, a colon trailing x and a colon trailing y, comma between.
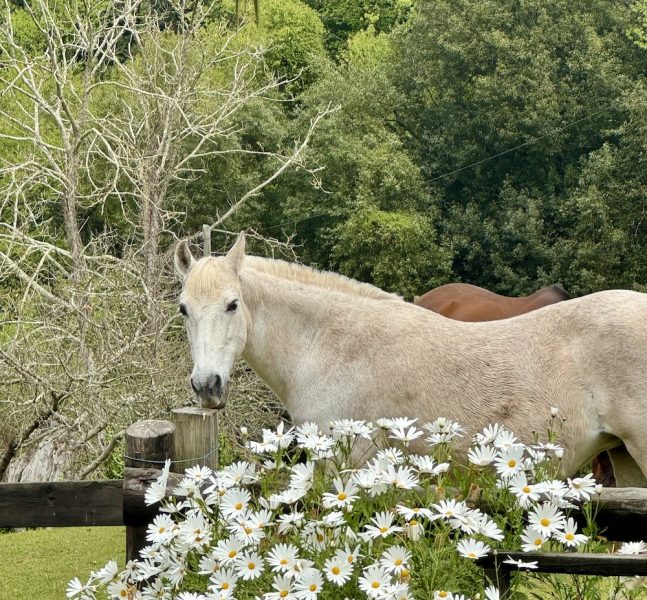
x: 37, y: 564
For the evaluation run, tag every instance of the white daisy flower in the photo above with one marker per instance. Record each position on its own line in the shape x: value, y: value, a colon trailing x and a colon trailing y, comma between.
x: 283, y: 589
x: 525, y: 492
x: 569, y: 536
x: 309, y: 585
x: 472, y: 549
x: 290, y: 522
x: 302, y: 475
x: 383, y: 525
x: 108, y: 572
x: 75, y: 588
x: 402, y: 478
x: 492, y: 593
x: 395, y: 559
x: 482, y: 456
x: 533, y: 539
x: 632, y: 548
x: 488, y: 434
x: 426, y: 464
x: 199, y: 474
x: 489, y: 528
x: 406, y: 436
x: 281, y: 557
x: 505, y: 439
x: 373, y: 581
x: 224, y: 580
x: 249, y: 565
x: 547, y: 518
x: 415, y: 512
x: 338, y: 570
x: 208, y: 565
x: 235, y: 503
x: 227, y: 551
x: 582, y: 488
x: 509, y: 461
x: 390, y: 456
x: 344, y: 496
x: 195, y: 530
x: 450, y: 508
x: 520, y: 564
x: 350, y: 428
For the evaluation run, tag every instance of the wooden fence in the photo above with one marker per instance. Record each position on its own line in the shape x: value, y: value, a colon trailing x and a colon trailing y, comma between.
x: 191, y: 438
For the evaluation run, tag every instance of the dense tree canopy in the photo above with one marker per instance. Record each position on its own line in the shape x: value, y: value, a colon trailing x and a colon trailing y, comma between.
x: 404, y: 143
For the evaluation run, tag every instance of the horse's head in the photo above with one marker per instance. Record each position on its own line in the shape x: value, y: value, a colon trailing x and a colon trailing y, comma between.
x: 215, y: 318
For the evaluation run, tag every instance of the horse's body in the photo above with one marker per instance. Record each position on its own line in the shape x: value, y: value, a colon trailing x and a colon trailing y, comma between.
x: 466, y: 302
x: 330, y: 348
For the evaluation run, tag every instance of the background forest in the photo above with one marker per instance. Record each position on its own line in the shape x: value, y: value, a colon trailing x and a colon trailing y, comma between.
x: 400, y: 142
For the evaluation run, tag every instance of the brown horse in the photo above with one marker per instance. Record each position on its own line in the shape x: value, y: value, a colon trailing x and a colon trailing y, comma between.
x: 465, y: 302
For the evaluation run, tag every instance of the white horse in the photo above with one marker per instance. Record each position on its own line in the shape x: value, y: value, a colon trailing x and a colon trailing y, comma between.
x: 331, y: 347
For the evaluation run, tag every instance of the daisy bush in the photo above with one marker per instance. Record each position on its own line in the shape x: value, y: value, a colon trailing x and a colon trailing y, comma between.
x: 382, y: 510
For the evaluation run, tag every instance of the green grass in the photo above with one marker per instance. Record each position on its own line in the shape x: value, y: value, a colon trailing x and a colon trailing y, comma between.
x: 37, y: 564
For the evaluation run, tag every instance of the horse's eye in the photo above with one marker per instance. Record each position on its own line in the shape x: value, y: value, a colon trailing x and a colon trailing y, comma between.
x: 232, y: 306
x: 183, y: 310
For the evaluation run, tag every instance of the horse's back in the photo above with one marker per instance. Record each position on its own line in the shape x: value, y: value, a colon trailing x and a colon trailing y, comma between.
x: 466, y: 302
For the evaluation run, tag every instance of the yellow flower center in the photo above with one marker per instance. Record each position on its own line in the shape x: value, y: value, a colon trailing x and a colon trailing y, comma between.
x: 525, y: 489
x: 238, y: 506
x: 123, y: 593
x: 383, y: 529
x: 162, y: 529
x: 350, y: 558
x: 512, y: 463
x: 545, y: 522
x: 569, y: 536
x: 397, y: 562
x: 413, y: 522
x: 375, y: 585
x: 284, y: 561
x: 336, y: 570
x: 313, y: 587
x: 232, y: 554
x: 442, y: 594
x: 251, y: 566
x: 471, y: 554
x: 538, y: 542
x: 225, y: 585
x: 283, y: 593
x: 341, y: 496
x: 248, y: 530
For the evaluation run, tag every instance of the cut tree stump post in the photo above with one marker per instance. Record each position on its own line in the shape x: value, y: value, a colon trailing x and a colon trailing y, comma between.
x: 148, y: 444
x: 196, y: 438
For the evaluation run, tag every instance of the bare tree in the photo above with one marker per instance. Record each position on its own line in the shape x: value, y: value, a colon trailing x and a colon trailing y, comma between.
x: 114, y: 104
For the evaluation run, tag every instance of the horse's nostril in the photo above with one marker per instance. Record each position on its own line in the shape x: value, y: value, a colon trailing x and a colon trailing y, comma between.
x: 195, y: 389
x: 216, y: 385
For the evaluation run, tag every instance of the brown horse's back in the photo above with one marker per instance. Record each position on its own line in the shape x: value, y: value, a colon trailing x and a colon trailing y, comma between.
x: 466, y: 302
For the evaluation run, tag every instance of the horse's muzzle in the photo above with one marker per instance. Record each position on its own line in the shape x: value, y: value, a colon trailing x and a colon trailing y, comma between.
x: 211, y: 393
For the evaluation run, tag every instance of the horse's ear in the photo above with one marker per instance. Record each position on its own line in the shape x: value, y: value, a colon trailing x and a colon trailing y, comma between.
x: 183, y: 259
x: 237, y: 253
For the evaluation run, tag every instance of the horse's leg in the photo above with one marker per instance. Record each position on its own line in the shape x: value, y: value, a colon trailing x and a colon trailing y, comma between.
x: 626, y: 469
x: 603, y: 469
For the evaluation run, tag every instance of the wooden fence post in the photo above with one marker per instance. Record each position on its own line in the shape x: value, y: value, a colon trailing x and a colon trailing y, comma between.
x: 206, y: 240
x: 196, y: 438
x: 148, y: 444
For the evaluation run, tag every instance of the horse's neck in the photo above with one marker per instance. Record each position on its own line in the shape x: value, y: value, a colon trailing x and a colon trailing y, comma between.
x: 283, y: 322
